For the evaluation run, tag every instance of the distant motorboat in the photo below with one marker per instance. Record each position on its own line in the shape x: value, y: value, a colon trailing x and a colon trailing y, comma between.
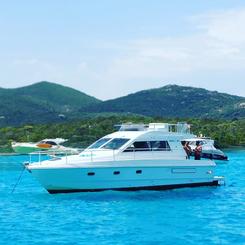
x: 208, y: 149
x: 45, y: 146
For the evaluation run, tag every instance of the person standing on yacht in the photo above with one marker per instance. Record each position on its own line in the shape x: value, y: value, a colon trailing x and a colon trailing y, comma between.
x: 187, y: 149
x: 198, y: 151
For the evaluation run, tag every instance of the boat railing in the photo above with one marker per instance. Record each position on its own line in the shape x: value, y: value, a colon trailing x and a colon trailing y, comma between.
x: 96, y: 155
x: 139, y: 154
x: 39, y: 156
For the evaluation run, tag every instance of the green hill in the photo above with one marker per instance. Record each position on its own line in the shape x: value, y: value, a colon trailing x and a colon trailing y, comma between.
x: 176, y: 101
x: 41, y: 102
x: 46, y: 102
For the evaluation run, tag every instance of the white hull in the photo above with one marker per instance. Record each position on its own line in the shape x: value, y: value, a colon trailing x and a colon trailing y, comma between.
x: 144, y: 176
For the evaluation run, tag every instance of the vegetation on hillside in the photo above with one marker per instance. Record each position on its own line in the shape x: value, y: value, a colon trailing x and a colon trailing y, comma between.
x: 46, y: 102
x: 41, y: 103
x: 173, y: 101
x: 81, y: 133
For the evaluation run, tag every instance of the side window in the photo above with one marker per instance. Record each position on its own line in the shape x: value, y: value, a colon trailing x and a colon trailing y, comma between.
x: 139, y: 146
x: 130, y: 148
x: 160, y: 146
x: 142, y: 146
x: 148, y: 146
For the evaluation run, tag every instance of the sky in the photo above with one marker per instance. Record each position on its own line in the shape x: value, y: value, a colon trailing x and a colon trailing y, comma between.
x: 110, y: 48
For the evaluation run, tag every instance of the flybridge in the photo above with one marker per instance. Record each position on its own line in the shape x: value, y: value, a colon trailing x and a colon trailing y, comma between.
x: 180, y: 127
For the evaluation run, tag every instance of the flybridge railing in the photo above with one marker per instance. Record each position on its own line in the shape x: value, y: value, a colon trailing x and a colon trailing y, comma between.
x: 112, y: 155
x: 180, y: 127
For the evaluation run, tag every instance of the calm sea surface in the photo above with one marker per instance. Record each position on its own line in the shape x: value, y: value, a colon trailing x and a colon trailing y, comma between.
x: 206, y: 215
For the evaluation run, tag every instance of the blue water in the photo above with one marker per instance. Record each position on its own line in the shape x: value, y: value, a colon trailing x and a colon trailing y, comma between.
x: 205, y: 215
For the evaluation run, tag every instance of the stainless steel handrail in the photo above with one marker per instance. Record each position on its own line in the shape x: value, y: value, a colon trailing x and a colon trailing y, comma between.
x: 109, y: 154
x: 53, y: 154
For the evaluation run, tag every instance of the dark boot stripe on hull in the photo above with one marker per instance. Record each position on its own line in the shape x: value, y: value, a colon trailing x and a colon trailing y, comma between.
x: 158, y: 187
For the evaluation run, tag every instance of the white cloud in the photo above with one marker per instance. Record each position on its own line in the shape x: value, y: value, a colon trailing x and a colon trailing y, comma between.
x: 213, y: 53
x: 224, y: 26
x: 218, y: 46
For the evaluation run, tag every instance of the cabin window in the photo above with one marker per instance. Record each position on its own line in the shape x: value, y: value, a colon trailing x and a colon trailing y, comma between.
x: 149, y: 146
x: 142, y: 146
x: 91, y: 173
x: 99, y: 143
x: 139, y: 146
x: 138, y: 171
x: 115, y: 143
x: 160, y: 146
x: 116, y: 172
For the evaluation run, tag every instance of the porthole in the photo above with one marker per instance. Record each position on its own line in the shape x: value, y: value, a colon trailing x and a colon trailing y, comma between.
x: 138, y: 171
x: 91, y: 173
x: 116, y: 172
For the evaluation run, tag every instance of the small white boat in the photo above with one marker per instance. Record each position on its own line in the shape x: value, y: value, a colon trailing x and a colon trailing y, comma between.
x: 133, y: 158
x: 208, y: 149
x: 45, y: 145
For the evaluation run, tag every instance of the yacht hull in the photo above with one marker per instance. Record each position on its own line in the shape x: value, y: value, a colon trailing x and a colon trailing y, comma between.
x: 63, y: 180
x: 27, y: 149
x: 156, y: 188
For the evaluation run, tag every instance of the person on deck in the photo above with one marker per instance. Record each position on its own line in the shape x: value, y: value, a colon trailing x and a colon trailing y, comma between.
x: 198, y: 151
x: 187, y: 149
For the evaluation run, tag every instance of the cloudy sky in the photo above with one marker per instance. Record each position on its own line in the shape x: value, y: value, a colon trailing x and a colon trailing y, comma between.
x: 109, y: 48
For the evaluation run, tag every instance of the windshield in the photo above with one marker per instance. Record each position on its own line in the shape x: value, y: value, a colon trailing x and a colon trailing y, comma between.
x: 115, y: 143
x: 99, y: 143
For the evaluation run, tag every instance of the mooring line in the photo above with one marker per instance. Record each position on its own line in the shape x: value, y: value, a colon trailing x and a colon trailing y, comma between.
x: 18, y: 180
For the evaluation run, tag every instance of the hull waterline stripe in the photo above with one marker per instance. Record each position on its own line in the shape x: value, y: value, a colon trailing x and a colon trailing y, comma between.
x: 158, y: 187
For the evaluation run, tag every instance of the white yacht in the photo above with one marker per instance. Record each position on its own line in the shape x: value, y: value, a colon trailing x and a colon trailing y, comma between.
x: 46, y: 146
x: 135, y: 157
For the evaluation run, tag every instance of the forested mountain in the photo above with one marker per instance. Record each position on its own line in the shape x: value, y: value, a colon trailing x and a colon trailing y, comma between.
x: 176, y: 101
x: 46, y: 102
x: 41, y: 102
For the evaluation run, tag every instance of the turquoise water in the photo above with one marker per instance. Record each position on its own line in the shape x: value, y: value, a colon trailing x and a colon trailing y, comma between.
x: 205, y: 215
